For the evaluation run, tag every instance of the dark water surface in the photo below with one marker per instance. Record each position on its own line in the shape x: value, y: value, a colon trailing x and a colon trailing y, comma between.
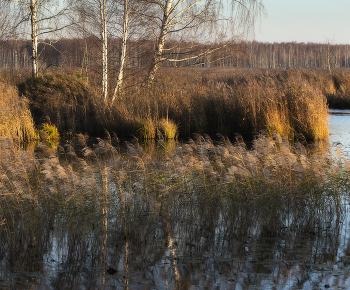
x: 185, y: 242
x: 339, y: 127
x: 191, y: 245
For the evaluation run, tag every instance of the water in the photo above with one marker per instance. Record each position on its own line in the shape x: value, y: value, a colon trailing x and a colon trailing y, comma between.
x: 339, y: 127
x: 182, y: 242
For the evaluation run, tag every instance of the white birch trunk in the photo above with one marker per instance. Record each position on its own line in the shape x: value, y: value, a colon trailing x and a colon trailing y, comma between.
x: 123, y: 51
x: 157, y: 57
x: 34, y: 36
x: 104, y: 50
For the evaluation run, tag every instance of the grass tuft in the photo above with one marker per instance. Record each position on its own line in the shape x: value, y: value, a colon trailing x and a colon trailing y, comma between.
x: 167, y: 128
x: 16, y: 120
x: 48, y: 133
x: 145, y: 128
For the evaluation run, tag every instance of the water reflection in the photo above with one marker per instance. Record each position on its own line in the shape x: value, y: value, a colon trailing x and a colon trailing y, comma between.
x: 190, y: 217
x: 175, y: 243
x: 339, y: 127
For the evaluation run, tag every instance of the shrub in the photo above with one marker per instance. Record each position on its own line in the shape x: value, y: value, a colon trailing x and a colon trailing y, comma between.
x: 67, y: 101
x: 167, y: 128
x: 48, y: 133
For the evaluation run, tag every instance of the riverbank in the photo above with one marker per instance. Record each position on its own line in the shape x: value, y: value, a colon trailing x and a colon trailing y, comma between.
x: 190, y: 100
x: 103, y: 215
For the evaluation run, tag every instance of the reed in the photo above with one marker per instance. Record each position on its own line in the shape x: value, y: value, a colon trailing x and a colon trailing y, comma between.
x: 16, y: 119
x: 225, y: 101
x: 232, y: 102
x: 167, y: 129
x: 272, y: 166
x: 83, y: 199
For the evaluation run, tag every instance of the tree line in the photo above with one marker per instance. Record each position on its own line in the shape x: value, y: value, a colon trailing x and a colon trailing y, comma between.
x: 84, y: 54
x: 116, y: 37
x: 119, y: 33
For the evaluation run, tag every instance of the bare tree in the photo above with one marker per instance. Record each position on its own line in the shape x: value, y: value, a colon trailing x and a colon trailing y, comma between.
x: 174, y: 16
x: 44, y: 18
x: 92, y: 19
x: 125, y: 25
x: 118, y: 19
x: 104, y: 39
x: 131, y: 27
x: 8, y: 20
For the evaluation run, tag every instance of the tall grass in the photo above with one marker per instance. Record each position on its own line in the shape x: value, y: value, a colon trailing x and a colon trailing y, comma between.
x: 289, y: 102
x: 151, y: 201
x: 16, y: 120
x: 84, y: 191
x: 235, y: 102
x: 64, y: 99
x: 200, y: 166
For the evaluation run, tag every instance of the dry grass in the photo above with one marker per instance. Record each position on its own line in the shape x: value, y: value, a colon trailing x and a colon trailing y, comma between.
x: 63, y: 99
x: 289, y: 102
x: 16, y: 119
x: 55, y: 203
x: 233, y: 102
x: 167, y: 128
x: 272, y: 166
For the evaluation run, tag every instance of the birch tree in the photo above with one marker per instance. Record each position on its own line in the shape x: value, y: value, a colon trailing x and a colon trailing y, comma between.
x: 175, y: 16
x: 125, y: 25
x: 104, y: 40
x: 92, y: 19
x: 130, y: 11
x: 114, y: 21
x: 44, y: 18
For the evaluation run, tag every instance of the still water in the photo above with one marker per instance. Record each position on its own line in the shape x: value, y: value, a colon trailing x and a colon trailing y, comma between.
x: 185, y: 242
x: 339, y: 127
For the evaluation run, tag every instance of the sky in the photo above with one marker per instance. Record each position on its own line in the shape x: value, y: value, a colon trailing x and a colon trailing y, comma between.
x: 319, y: 21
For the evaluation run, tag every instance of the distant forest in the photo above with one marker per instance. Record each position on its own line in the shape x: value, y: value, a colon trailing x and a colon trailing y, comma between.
x: 85, y: 53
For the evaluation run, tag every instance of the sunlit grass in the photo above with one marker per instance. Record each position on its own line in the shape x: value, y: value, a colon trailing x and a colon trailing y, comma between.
x: 89, y: 199
x: 197, y: 101
x: 15, y: 118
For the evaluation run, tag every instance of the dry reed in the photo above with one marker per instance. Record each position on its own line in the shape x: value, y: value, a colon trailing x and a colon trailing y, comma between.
x: 272, y: 166
x: 198, y: 101
x: 16, y: 119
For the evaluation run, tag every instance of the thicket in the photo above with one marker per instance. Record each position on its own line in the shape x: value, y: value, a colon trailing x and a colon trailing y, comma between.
x: 193, y: 100
x: 73, y: 52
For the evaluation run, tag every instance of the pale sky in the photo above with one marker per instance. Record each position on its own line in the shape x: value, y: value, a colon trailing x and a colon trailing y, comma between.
x: 305, y: 21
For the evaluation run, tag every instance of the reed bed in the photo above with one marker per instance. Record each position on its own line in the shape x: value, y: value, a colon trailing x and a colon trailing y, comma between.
x: 193, y: 100
x: 271, y: 166
x: 78, y: 182
x: 290, y: 102
x: 16, y: 119
x: 98, y: 197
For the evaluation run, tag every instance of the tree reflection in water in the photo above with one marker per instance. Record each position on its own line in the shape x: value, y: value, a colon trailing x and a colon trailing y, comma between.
x: 140, y: 222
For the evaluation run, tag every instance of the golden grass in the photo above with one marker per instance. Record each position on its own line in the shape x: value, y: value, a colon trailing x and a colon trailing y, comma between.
x: 16, y: 120
x: 239, y: 102
x: 48, y: 133
x: 204, y: 101
x: 145, y: 128
x: 167, y: 128
x: 200, y: 167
